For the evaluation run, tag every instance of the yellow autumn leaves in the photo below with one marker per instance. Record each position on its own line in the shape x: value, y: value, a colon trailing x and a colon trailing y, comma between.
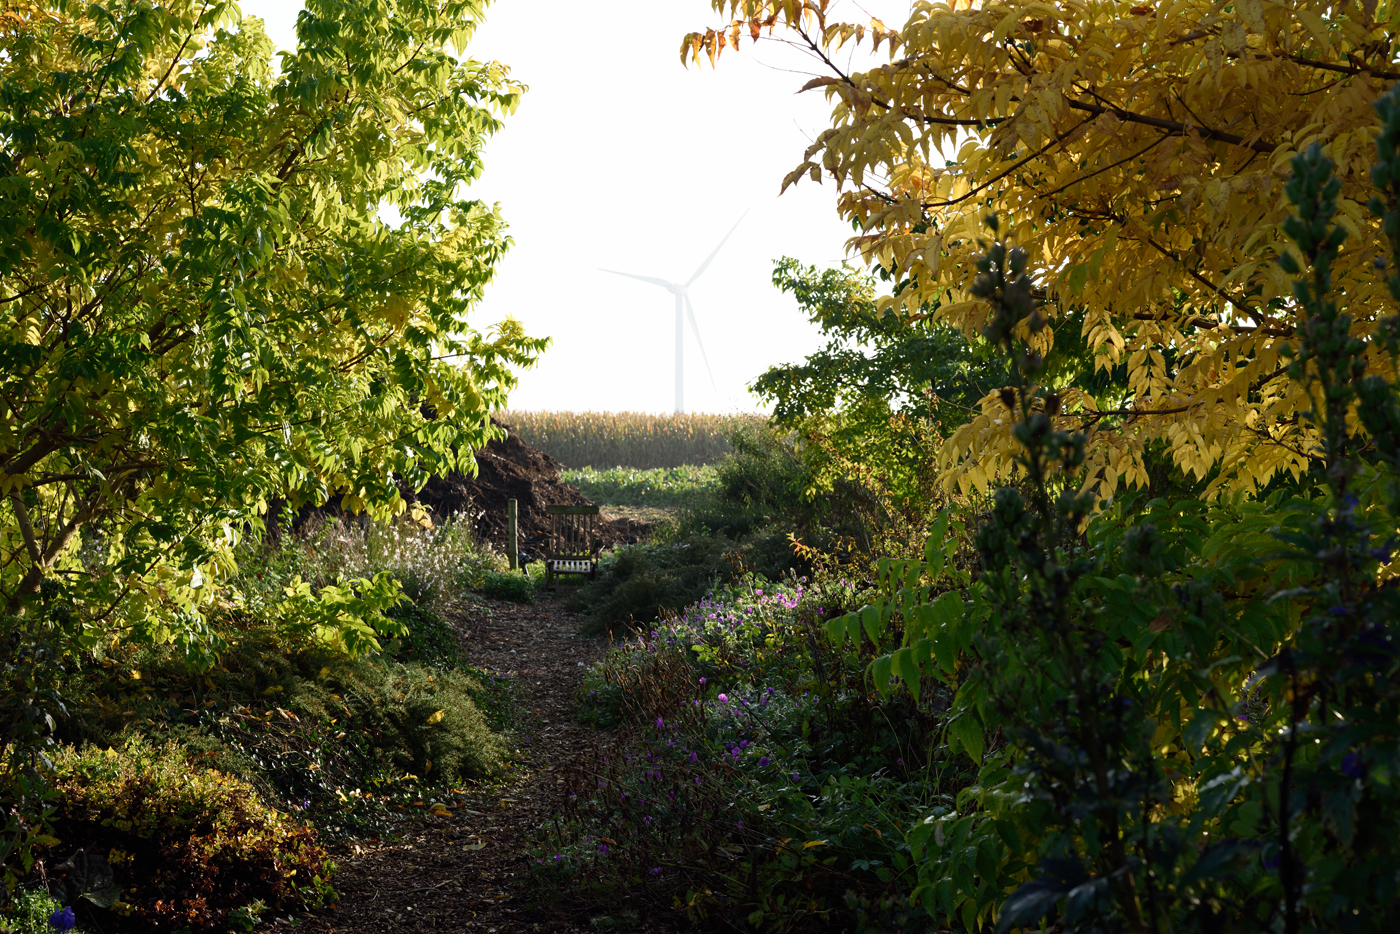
x: 1138, y: 153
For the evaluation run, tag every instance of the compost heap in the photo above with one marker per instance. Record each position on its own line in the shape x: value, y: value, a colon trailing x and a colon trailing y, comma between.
x: 511, y: 469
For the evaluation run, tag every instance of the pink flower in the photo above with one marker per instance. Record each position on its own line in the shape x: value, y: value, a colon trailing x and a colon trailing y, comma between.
x: 722, y: 699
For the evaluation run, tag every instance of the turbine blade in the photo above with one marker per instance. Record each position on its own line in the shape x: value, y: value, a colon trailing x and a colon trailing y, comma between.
x: 695, y: 329
x: 706, y: 264
x: 654, y: 281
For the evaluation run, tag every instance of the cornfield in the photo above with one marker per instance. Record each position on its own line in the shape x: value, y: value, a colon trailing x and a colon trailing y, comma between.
x: 628, y: 439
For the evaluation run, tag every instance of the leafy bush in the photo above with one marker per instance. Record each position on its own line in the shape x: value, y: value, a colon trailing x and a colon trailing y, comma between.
x: 436, y: 567
x: 424, y: 720
x: 320, y: 734
x: 29, y: 912
x: 638, y: 584
x: 762, y: 784
x: 427, y: 639
x: 769, y: 485
x: 513, y: 588
x: 187, y: 845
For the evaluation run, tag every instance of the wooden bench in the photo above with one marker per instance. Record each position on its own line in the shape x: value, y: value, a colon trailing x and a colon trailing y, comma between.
x: 573, y: 542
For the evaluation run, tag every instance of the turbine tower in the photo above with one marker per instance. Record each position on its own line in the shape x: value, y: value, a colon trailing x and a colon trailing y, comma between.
x: 684, y: 310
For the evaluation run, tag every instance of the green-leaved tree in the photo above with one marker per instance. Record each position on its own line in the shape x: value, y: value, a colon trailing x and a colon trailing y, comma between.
x: 202, y: 305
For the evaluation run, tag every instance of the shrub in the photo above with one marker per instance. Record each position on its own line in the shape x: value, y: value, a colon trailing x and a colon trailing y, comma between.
x: 437, y: 567
x: 513, y: 588
x: 187, y: 845
x: 427, y: 638
x: 317, y: 733
x: 29, y: 912
x: 639, y: 584
x: 759, y: 786
x: 423, y: 720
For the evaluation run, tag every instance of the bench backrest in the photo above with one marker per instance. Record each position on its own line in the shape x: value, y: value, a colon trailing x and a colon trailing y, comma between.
x: 573, y: 531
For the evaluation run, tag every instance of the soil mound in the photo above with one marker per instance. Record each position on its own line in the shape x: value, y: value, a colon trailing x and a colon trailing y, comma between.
x: 511, y: 469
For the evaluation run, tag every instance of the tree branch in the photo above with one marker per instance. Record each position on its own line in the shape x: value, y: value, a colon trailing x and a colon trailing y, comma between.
x: 1127, y: 116
x: 26, y: 528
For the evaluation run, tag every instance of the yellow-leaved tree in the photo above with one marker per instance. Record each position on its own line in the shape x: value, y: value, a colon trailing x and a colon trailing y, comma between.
x: 1138, y: 153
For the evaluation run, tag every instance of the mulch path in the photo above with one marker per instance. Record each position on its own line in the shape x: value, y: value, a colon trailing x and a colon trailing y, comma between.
x: 437, y: 875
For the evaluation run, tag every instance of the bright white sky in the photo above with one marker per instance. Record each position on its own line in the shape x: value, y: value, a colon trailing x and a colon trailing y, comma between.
x: 619, y: 157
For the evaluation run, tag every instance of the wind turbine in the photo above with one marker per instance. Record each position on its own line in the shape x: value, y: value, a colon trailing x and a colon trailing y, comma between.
x: 684, y: 310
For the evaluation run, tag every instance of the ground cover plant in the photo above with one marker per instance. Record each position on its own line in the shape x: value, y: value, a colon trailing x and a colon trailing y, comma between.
x: 659, y: 487
x: 201, y: 792
x: 752, y: 788
x: 192, y: 845
x: 629, y: 439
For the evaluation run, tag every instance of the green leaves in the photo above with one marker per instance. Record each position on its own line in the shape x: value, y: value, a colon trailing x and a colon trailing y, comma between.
x: 349, y: 616
x: 201, y: 312
x: 966, y: 731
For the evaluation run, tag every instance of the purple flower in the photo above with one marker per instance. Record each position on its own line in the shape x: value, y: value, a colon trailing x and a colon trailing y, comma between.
x: 702, y: 680
x: 743, y: 743
x: 763, y: 760
x: 660, y: 724
x: 62, y: 920
x: 603, y: 848
x: 899, y: 762
x: 694, y: 757
x: 558, y: 857
x: 797, y: 776
x: 656, y: 870
x: 697, y: 779
x: 1352, y: 766
x: 722, y: 699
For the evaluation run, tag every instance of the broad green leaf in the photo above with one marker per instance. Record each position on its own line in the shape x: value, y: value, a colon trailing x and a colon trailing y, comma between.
x: 907, y: 668
x: 880, y: 671
x: 968, y: 733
